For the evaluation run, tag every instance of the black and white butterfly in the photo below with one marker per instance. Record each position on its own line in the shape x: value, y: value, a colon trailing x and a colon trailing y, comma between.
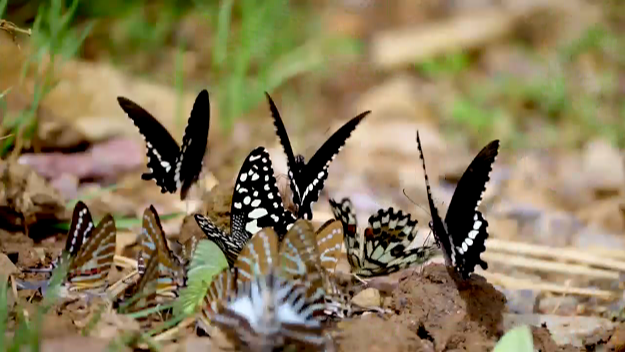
x: 382, y: 248
x: 172, y: 166
x: 307, y: 179
x: 463, y: 234
x: 256, y: 204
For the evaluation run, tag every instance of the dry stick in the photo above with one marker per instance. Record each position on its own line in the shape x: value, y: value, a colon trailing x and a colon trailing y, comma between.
x: 120, y: 285
x: 516, y: 283
x: 170, y: 334
x: 554, y: 253
x: 125, y: 262
x: 607, y: 253
x: 543, y: 265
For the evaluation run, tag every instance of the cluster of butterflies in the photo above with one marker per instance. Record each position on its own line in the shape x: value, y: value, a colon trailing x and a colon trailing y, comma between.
x: 279, y: 282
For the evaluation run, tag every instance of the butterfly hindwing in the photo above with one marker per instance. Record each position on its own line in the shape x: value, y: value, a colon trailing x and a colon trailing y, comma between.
x: 344, y: 212
x: 171, y: 166
x: 229, y: 245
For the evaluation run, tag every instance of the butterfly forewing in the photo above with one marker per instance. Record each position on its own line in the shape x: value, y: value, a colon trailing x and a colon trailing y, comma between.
x: 299, y: 257
x: 329, y: 242
x: 162, y: 149
x: 259, y: 256
x: 344, y: 212
x: 144, y: 294
x: 307, y: 180
x: 80, y: 228
x: 220, y: 289
x: 90, y: 266
x: 153, y: 243
x: 194, y: 141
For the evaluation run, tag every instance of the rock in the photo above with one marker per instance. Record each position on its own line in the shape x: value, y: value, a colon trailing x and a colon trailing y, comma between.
x: 6, y: 266
x: 520, y: 301
x: 369, y: 297
x: 564, y: 330
x: 603, y: 167
x: 566, y: 305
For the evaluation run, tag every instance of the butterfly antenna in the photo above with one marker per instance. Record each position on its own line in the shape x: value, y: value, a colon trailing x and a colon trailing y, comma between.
x: 415, y: 203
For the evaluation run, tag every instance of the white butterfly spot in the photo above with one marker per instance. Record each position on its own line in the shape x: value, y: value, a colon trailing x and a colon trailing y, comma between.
x: 247, y: 200
x: 243, y: 178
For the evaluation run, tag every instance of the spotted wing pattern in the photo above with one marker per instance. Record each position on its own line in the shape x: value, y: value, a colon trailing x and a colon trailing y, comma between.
x: 153, y: 244
x: 89, y: 267
x: 463, y: 234
x: 171, y: 166
x: 383, y: 249
x: 256, y: 204
x: 307, y: 179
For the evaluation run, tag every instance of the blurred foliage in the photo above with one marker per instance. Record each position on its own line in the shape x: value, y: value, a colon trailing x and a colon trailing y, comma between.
x: 573, y: 95
x: 53, y: 42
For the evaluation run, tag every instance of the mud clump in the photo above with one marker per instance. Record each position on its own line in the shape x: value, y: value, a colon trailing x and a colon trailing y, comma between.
x: 371, y: 333
x: 465, y: 316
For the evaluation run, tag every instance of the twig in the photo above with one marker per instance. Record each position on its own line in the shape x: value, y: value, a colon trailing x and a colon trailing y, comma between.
x: 12, y: 29
x: 125, y: 262
x: 516, y: 283
x: 118, y: 287
x: 568, y: 254
x: 170, y: 334
x: 543, y: 265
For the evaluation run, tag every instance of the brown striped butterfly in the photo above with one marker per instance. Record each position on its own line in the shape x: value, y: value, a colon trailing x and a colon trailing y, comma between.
x: 91, y: 251
x: 330, y: 242
x: 222, y: 286
x: 383, y: 247
x: 153, y: 244
x: 279, y: 290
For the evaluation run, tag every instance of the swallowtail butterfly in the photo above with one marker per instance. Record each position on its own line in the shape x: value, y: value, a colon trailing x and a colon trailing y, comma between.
x: 330, y: 242
x: 307, y: 179
x: 219, y: 291
x: 463, y: 233
x: 172, y: 166
x: 144, y: 293
x: 91, y: 250
x: 256, y: 204
x: 153, y: 246
x: 382, y: 248
x: 278, y: 290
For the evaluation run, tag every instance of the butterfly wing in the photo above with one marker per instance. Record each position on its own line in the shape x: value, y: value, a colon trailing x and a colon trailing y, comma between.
x: 437, y: 225
x: 90, y: 267
x: 256, y: 201
x: 465, y: 224
x: 329, y: 242
x: 162, y: 149
x: 299, y: 259
x: 80, y: 228
x: 228, y: 244
x: 258, y: 257
x: 190, y: 161
x: 154, y: 244
x: 314, y: 175
x: 387, y: 238
x: 288, y: 150
x: 344, y: 212
x: 144, y: 294
x: 222, y: 287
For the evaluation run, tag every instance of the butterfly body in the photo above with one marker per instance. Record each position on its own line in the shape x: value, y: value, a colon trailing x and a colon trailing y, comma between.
x: 256, y: 204
x: 173, y: 167
x: 463, y: 233
x: 307, y: 179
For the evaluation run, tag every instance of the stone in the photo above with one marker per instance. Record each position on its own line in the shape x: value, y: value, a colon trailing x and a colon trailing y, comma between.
x: 369, y: 297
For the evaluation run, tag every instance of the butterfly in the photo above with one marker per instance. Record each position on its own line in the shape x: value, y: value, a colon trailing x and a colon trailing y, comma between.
x: 382, y: 248
x: 173, y: 167
x: 91, y: 250
x: 153, y: 246
x: 279, y: 287
x: 144, y: 293
x: 307, y: 179
x: 330, y: 242
x: 463, y: 233
x: 256, y: 204
x: 222, y: 286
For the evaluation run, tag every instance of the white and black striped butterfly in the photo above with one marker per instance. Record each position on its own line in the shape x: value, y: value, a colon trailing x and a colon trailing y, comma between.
x: 256, y: 203
x: 463, y: 233
x: 307, y: 179
x: 382, y: 248
x: 172, y: 166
